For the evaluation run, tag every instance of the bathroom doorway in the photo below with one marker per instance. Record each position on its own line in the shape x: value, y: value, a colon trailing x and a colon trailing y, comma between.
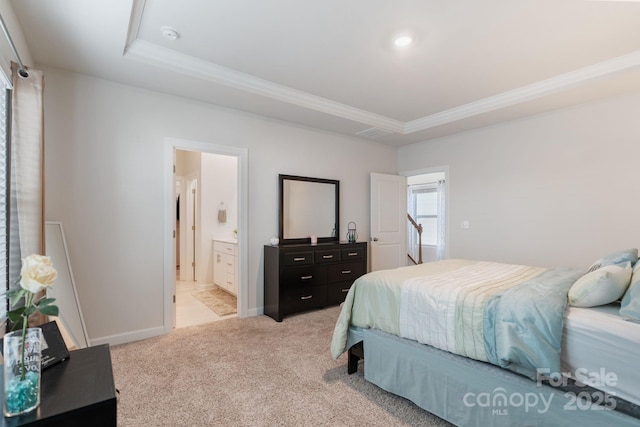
x: 208, y: 214
x: 206, y: 288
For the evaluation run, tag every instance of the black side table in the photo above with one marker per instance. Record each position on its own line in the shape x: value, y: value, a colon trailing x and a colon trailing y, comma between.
x: 76, y: 392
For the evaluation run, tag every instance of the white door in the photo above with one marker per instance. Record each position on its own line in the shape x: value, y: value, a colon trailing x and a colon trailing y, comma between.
x: 188, y: 267
x: 388, y: 221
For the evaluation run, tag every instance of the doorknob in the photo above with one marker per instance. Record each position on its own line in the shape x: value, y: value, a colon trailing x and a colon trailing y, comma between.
x: 375, y: 239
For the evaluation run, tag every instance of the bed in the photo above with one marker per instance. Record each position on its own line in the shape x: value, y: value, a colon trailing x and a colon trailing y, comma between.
x: 484, y: 343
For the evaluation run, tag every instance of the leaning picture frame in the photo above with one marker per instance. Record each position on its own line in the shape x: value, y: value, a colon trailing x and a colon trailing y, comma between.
x: 64, y: 288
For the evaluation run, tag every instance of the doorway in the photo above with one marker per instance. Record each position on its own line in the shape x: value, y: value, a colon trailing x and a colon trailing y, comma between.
x: 427, y: 205
x: 206, y: 289
x: 206, y: 177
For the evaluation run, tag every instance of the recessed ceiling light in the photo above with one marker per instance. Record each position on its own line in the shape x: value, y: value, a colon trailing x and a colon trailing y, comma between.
x: 169, y: 33
x: 403, y: 40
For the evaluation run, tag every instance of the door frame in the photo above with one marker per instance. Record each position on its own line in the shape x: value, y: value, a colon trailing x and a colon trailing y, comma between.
x: 170, y: 145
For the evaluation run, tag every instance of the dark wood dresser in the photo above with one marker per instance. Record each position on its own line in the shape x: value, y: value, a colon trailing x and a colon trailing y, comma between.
x: 303, y: 277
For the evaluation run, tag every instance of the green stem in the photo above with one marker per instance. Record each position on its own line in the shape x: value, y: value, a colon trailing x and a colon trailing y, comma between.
x: 25, y: 322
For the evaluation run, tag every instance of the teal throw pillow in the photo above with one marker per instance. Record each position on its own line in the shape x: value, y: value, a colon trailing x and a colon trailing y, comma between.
x: 630, y: 306
x: 619, y: 257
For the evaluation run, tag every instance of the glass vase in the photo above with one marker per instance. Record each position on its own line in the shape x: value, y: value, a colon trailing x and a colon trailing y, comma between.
x: 21, y: 371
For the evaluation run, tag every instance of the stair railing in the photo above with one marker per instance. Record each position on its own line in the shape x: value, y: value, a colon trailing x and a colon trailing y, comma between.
x: 418, y: 228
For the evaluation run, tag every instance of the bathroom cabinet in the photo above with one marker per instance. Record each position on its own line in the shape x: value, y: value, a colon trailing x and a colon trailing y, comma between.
x: 224, y: 265
x: 302, y: 277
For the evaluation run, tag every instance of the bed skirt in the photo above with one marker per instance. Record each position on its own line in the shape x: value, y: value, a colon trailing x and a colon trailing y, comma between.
x: 467, y: 392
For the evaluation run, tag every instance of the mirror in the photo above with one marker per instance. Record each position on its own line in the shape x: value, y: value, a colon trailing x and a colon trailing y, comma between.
x: 64, y: 288
x: 309, y: 207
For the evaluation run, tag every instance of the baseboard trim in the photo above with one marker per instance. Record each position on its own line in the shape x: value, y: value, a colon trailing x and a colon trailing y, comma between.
x: 149, y: 333
x: 128, y: 336
x: 255, y: 312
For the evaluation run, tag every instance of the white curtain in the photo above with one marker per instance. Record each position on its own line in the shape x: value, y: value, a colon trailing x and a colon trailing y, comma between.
x: 441, y: 249
x: 4, y: 216
x: 26, y: 234
x: 27, y: 159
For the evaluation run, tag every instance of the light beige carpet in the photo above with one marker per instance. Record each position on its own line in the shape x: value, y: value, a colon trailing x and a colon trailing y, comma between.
x: 252, y: 372
x: 222, y: 303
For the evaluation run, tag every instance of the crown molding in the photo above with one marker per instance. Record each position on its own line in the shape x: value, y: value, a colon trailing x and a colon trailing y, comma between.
x: 527, y: 93
x: 195, y: 67
x: 188, y: 65
x: 137, y: 8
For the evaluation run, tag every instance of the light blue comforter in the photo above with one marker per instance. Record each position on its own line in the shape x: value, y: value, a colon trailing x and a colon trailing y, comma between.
x: 508, y: 315
x: 523, y: 325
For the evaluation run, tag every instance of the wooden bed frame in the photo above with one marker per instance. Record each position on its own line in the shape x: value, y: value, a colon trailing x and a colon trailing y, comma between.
x: 355, y: 353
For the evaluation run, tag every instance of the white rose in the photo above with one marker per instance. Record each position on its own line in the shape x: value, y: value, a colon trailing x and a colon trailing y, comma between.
x: 37, y: 273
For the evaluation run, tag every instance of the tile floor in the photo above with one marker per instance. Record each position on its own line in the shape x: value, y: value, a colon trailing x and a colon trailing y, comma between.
x: 190, y: 311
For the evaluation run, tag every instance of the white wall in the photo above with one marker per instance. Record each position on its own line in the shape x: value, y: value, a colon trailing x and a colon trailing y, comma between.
x: 558, y: 189
x: 105, y: 180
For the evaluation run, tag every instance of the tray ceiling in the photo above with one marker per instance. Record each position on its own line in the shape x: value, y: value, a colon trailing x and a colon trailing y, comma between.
x: 332, y: 64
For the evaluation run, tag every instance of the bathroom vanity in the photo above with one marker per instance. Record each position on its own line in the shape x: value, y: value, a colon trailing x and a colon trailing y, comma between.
x: 224, y: 265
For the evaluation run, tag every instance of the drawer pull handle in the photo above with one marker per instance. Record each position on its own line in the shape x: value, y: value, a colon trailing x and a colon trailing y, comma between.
x: 345, y: 290
x: 300, y: 259
x: 346, y: 271
x: 306, y: 277
x: 327, y: 256
x: 307, y: 297
x: 352, y: 254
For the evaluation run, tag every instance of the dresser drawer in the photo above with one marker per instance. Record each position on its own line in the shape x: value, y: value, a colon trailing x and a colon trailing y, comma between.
x: 304, y: 276
x: 297, y: 258
x: 354, y: 254
x: 322, y: 257
x: 305, y: 299
x: 224, y: 247
x: 345, y: 272
x: 337, y: 292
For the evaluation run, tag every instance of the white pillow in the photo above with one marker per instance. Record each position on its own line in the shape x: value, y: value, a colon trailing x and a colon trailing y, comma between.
x: 600, y: 287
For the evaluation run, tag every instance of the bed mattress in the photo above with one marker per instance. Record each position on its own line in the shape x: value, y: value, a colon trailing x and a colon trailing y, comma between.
x: 601, y: 349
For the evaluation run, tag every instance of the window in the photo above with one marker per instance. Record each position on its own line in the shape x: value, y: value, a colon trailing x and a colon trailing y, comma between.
x: 426, y: 206
x: 423, y: 207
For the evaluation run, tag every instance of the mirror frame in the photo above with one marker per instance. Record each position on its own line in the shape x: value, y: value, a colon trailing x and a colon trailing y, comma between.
x: 321, y: 239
